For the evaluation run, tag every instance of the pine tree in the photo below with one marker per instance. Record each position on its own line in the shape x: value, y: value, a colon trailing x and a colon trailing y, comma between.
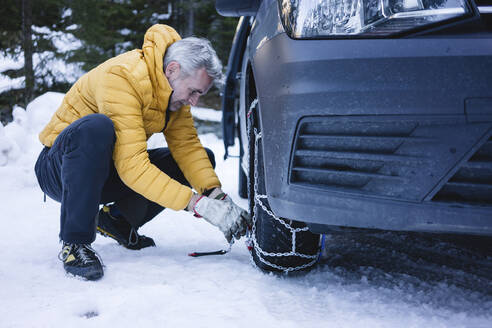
x: 102, y: 26
x: 27, y: 47
x: 23, y: 37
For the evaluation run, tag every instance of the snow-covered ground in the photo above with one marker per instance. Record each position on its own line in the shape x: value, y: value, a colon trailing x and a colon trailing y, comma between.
x: 371, y: 280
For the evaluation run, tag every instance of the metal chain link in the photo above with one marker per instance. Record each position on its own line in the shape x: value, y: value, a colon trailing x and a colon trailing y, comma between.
x: 258, y: 201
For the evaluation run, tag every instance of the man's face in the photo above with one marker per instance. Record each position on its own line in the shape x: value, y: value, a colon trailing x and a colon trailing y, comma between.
x: 187, y: 88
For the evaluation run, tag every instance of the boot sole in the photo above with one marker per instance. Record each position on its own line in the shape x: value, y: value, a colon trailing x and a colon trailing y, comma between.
x: 91, y: 274
x: 108, y: 235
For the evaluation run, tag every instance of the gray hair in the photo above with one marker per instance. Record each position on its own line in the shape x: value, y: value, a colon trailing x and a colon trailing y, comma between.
x: 194, y: 53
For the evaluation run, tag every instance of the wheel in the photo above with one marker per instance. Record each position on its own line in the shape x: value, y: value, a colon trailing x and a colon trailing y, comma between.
x: 279, y: 244
x: 242, y: 183
x: 243, y: 179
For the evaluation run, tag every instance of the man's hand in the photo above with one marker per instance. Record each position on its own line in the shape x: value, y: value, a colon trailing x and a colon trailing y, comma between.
x: 227, y: 216
x: 217, y: 193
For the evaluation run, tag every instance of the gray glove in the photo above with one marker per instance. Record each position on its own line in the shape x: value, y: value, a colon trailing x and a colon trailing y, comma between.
x: 225, y: 215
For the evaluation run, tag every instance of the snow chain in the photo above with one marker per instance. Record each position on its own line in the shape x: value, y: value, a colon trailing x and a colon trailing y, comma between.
x: 258, y: 201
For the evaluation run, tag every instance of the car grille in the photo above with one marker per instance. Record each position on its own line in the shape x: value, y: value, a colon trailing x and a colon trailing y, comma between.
x: 391, y: 157
x: 472, y: 183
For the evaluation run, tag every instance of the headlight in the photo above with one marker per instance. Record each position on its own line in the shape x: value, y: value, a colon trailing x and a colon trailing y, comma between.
x: 328, y: 18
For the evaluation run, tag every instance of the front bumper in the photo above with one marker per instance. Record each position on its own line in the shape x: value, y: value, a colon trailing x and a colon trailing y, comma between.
x: 387, y: 134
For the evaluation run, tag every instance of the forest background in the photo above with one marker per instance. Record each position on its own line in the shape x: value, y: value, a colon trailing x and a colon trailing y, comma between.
x: 46, y: 45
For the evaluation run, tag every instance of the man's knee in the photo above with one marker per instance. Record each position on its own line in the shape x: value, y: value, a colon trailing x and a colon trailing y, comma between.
x: 95, y: 131
x: 211, y: 156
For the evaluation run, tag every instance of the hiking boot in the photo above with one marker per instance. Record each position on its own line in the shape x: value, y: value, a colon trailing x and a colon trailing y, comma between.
x: 81, y: 260
x: 120, y: 230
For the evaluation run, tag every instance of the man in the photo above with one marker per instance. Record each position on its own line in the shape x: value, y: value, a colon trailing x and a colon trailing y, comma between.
x: 96, y: 149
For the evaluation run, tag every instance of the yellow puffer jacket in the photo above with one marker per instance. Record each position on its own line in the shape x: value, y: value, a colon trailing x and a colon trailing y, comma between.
x: 132, y: 90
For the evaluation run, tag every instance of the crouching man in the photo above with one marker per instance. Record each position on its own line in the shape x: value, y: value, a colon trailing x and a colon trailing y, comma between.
x: 96, y: 149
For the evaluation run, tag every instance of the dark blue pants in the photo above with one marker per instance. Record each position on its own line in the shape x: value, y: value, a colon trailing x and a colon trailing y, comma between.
x: 78, y: 171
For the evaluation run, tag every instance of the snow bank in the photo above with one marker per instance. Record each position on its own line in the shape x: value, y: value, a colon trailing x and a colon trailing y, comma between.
x: 19, y: 143
x: 41, y: 109
x: 19, y: 139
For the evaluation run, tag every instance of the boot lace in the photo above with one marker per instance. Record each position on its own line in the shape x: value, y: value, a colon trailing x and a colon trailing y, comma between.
x: 84, y: 252
x: 62, y: 256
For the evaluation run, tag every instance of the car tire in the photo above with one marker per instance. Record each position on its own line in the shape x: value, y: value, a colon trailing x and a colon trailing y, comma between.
x: 273, y: 236
x: 242, y: 181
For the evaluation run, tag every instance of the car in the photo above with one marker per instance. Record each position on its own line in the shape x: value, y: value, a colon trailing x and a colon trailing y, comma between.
x: 359, y: 114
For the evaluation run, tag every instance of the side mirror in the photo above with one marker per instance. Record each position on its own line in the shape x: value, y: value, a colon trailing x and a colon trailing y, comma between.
x: 237, y: 8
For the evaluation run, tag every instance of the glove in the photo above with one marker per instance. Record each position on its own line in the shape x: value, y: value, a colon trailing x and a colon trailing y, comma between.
x: 217, y: 193
x: 227, y: 216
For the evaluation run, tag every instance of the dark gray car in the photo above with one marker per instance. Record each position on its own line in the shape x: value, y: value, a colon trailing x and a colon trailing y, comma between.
x: 373, y: 114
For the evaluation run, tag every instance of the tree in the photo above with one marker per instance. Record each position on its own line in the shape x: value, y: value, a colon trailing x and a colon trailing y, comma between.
x: 27, y: 47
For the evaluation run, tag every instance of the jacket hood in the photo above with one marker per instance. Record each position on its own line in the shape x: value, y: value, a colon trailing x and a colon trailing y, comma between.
x: 157, y: 39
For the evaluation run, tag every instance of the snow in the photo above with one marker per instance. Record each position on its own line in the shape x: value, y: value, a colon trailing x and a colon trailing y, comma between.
x: 206, y: 114
x: 62, y: 41
x: 7, y: 83
x: 125, y: 31
x: 67, y: 13
x: 72, y: 27
x: 359, y: 283
x: 9, y: 63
